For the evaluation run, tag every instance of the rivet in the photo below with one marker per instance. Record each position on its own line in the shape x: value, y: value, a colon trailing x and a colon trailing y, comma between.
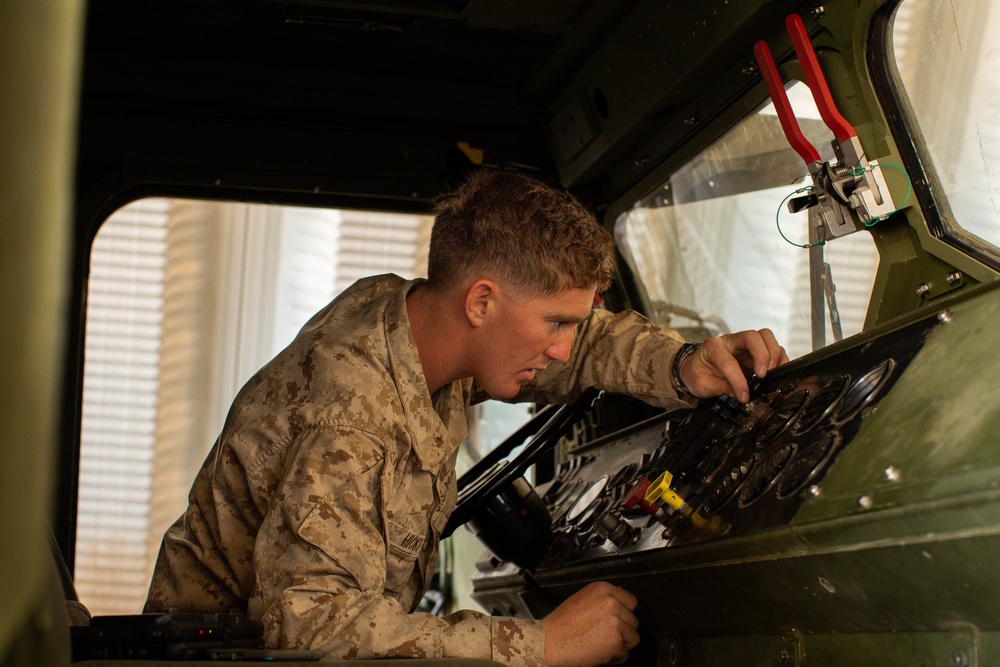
x: 891, y: 474
x: 865, y: 502
x: 954, y: 278
x: 923, y: 289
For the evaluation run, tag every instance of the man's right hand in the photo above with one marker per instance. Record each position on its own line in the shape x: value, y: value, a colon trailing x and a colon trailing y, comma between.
x: 595, y: 626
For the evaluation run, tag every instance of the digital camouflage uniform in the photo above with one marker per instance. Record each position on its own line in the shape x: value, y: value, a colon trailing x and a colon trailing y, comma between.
x: 320, y: 507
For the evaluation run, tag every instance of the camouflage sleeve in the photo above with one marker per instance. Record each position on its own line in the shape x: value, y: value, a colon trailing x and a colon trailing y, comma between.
x: 618, y: 352
x: 323, y: 580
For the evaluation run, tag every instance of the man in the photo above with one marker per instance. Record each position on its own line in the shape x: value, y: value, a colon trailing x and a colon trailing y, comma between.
x: 320, y: 507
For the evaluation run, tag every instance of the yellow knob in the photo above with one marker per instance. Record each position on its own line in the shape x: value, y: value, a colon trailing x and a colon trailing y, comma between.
x: 660, y: 490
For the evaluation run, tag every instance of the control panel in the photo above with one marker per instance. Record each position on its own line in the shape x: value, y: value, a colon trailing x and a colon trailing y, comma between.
x: 720, y: 469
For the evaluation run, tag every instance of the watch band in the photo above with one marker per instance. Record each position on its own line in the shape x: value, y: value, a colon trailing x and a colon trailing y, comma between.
x: 675, y: 367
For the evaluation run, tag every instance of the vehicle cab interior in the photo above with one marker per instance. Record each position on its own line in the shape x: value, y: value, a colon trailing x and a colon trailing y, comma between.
x: 186, y: 182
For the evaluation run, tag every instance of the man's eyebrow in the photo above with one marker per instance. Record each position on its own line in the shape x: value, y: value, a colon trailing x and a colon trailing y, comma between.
x: 566, y: 317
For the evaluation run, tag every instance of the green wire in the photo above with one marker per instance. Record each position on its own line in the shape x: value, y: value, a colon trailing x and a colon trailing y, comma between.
x: 777, y: 220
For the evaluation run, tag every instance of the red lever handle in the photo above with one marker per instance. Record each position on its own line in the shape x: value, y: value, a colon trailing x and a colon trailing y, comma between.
x: 776, y: 87
x: 637, y: 496
x: 817, y: 82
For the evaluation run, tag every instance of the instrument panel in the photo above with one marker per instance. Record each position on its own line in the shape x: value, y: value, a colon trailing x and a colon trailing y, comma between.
x: 720, y: 469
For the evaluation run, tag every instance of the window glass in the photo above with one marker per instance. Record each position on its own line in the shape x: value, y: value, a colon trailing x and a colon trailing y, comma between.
x: 716, y: 250
x: 949, y: 66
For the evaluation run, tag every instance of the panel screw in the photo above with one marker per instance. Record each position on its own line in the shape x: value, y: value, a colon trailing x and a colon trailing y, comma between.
x: 959, y: 659
x: 944, y: 317
x: 750, y: 70
x: 865, y: 502
x: 691, y: 120
x: 923, y: 289
x: 953, y: 277
x: 890, y: 474
x: 818, y: 12
x: 814, y: 491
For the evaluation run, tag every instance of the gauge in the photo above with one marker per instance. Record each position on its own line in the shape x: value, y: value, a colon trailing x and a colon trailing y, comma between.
x: 587, y: 497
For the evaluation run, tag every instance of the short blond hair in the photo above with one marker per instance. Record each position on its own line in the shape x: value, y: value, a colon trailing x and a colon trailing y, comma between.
x: 520, y: 232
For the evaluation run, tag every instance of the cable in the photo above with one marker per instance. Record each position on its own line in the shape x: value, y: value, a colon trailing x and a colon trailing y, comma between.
x: 777, y: 220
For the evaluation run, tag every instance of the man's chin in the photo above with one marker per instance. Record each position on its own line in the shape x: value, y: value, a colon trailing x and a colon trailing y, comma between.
x: 505, y: 393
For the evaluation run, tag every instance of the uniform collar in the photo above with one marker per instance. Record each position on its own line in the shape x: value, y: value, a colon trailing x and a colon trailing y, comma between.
x: 437, y: 424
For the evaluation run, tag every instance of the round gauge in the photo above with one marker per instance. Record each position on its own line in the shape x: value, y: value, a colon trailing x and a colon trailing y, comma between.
x: 821, y: 404
x: 586, y: 498
x: 588, y: 518
x: 783, y: 414
x: 763, y: 476
x: 565, y: 498
x: 812, y: 457
x: 727, y: 486
x: 864, y: 390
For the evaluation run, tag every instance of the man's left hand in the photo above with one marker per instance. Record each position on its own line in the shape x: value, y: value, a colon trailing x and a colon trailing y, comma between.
x: 720, y: 363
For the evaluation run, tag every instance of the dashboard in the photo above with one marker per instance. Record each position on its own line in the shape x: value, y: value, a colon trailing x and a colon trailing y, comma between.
x: 623, y: 504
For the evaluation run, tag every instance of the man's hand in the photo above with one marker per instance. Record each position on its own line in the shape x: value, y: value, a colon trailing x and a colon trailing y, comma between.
x: 718, y: 365
x: 595, y: 626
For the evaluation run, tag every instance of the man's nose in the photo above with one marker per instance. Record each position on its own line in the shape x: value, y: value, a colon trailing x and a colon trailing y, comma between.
x: 560, y: 348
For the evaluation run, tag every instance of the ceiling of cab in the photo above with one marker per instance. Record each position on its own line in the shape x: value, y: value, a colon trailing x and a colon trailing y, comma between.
x: 394, y: 98
x: 366, y: 62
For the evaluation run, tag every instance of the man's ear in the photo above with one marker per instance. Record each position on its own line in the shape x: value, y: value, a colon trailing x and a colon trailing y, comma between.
x: 481, y: 301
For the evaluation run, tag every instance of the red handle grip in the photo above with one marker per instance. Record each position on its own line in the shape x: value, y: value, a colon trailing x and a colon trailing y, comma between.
x: 817, y: 82
x: 776, y: 87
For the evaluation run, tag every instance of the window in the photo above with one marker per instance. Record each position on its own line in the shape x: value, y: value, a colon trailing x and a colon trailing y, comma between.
x: 715, y: 250
x: 949, y: 68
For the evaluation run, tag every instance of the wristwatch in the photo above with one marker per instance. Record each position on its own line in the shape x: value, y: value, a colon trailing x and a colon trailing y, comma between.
x: 675, y: 367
